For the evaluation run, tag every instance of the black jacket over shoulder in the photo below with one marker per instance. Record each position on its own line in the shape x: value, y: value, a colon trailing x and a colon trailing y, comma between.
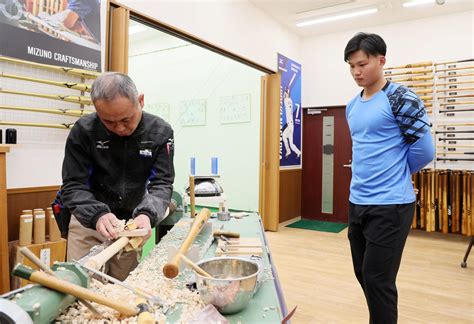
x: 128, y: 176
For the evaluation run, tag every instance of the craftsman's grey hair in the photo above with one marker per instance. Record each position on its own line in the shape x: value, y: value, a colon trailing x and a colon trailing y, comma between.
x: 110, y: 85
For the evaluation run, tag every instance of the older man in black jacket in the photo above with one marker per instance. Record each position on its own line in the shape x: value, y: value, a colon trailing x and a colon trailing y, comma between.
x: 118, y: 164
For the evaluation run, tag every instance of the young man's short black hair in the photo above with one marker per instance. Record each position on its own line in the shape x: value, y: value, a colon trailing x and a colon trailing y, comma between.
x: 370, y: 44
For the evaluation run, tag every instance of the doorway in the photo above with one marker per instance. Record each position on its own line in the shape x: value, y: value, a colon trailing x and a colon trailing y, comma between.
x: 326, y: 164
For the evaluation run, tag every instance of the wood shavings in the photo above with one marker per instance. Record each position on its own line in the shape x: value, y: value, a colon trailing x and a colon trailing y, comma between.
x: 148, y: 276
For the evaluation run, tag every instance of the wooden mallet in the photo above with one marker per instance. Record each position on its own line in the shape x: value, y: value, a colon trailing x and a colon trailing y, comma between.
x: 171, y: 269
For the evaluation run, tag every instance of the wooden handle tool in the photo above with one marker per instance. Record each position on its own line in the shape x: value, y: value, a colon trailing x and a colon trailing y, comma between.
x: 195, y: 267
x: 72, y: 289
x: 40, y: 264
x: 171, y: 269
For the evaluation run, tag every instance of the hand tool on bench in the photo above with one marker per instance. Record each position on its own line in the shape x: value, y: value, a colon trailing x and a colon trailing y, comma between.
x: 33, y: 258
x: 73, y: 289
x: 171, y: 269
x: 153, y: 299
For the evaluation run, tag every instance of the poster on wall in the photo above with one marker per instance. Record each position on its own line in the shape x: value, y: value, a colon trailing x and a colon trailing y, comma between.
x: 56, y: 32
x: 290, y: 113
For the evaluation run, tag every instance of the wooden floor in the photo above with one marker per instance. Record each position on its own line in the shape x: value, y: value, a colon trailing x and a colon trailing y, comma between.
x: 315, y: 270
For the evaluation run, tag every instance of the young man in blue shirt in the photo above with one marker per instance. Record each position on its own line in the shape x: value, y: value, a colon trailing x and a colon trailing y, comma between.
x: 391, y: 140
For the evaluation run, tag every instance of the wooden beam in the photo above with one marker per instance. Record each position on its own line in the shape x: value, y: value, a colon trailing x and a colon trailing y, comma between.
x: 4, y: 262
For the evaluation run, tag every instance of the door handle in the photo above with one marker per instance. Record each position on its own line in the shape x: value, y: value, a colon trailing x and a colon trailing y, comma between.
x: 347, y: 165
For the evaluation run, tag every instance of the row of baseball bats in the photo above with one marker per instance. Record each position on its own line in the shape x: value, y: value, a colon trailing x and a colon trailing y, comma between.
x: 449, y: 83
x: 444, y: 201
x: 78, y: 99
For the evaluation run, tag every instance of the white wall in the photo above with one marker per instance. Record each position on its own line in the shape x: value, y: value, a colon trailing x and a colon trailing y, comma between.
x: 169, y: 71
x: 326, y: 77
x: 237, y: 26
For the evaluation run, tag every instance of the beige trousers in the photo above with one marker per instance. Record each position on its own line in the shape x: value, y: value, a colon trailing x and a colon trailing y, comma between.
x: 81, y: 239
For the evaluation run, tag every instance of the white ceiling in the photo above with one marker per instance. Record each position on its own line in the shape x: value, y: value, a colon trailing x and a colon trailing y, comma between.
x: 288, y: 13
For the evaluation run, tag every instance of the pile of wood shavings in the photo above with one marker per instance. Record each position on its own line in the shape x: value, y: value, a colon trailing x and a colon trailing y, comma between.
x: 149, y: 277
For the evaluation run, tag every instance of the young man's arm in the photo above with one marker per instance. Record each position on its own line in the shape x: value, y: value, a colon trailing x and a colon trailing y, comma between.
x: 415, y: 127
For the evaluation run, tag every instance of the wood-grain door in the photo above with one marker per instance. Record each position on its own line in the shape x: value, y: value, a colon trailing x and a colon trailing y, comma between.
x: 327, y: 155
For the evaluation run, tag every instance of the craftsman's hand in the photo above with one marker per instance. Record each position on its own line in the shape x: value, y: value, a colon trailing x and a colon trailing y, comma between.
x: 105, y: 226
x: 143, y: 221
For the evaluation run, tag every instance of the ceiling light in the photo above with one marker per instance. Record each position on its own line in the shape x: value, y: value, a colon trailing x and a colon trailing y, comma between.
x: 136, y: 29
x: 337, y: 17
x: 417, y: 3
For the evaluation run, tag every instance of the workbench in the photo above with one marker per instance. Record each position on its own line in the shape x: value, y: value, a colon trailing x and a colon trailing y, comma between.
x: 180, y: 303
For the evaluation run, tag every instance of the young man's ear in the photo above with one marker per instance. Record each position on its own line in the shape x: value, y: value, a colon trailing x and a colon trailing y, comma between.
x: 382, y: 60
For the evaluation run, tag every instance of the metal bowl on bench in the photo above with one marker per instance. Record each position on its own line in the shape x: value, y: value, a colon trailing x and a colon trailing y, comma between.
x: 232, y: 286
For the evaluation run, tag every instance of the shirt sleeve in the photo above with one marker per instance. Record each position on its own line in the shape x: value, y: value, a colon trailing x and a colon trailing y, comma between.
x: 160, y: 185
x: 411, y: 117
x: 76, y: 193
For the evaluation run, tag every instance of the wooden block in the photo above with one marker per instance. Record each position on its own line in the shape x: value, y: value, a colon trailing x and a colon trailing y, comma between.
x: 134, y: 232
x: 48, y: 252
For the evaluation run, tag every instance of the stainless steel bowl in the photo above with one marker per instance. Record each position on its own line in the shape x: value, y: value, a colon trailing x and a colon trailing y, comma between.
x: 233, y: 285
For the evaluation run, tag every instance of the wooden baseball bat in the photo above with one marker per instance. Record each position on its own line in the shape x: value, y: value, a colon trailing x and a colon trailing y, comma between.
x: 429, y: 199
x: 457, y: 96
x: 455, y: 153
x: 455, y: 132
x: 408, y: 72
x: 470, y: 202
x: 46, y: 125
x: 424, y: 91
x: 426, y: 98
x: 421, y: 215
x: 437, y: 222
x: 417, y: 195
x: 72, y: 71
x: 82, y: 100
x: 417, y: 78
x: 444, y: 124
x: 456, y: 68
x: 70, y: 85
x: 455, y: 146
x: 457, y: 202
x: 456, y: 139
x: 440, y: 200
x: 65, y: 112
x: 451, y: 62
x: 433, y: 204
x: 455, y: 90
x: 171, y: 269
x: 420, y: 85
x: 451, y: 201
x: 445, y: 202
x: 454, y: 159
x: 455, y: 110
x: 73, y: 289
x: 453, y: 84
x: 454, y: 76
x: 464, y: 202
x: 456, y: 103
x: 408, y: 66
x: 98, y: 260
